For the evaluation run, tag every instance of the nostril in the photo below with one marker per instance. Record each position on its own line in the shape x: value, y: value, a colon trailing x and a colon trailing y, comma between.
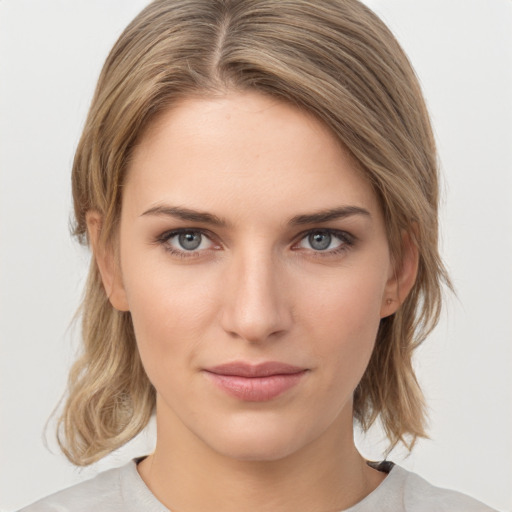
x: 256, y: 323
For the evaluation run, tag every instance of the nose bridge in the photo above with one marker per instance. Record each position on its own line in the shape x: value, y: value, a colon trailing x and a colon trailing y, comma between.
x: 255, y: 305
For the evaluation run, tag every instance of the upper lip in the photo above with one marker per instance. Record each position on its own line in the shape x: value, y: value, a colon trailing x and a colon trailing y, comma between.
x: 266, y: 369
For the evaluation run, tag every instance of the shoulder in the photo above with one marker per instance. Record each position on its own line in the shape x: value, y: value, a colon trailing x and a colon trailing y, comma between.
x: 404, y: 491
x: 420, y: 496
x: 116, y: 490
x: 103, y: 492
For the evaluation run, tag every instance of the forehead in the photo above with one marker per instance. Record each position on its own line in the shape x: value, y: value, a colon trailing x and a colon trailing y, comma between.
x: 240, y: 153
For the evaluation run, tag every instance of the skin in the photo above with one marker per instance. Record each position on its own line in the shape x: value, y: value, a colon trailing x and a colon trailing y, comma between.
x: 255, y: 290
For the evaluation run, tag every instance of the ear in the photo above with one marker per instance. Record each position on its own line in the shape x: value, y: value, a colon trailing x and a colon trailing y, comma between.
x: 404, y: 276
x: 107, y: 262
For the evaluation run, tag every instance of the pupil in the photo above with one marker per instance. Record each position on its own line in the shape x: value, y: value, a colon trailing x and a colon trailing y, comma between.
x: 190, y: 241
x: 320, y: 240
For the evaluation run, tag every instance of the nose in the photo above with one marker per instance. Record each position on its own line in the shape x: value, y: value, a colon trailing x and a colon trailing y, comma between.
x: 256, y: 300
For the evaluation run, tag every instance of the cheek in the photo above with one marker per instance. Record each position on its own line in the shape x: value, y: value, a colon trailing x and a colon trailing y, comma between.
x: 351, y: 298
x: 171, y: 311
x: 344, y: 317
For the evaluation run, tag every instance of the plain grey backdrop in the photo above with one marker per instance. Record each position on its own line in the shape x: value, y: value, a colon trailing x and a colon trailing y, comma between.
x: 51, y: 52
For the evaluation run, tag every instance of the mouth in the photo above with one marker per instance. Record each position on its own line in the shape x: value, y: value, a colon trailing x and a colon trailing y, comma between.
x: 255, y: 383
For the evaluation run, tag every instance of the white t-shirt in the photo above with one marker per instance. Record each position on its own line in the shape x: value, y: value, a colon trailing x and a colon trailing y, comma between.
x: 123, y: 490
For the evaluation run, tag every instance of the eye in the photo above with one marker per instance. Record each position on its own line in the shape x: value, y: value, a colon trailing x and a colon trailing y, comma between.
x: 186, y: 241
x: 190, y: 241
x: 325, y: 240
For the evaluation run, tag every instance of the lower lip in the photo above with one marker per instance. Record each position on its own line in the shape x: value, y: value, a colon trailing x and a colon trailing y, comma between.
x: 256, y: 389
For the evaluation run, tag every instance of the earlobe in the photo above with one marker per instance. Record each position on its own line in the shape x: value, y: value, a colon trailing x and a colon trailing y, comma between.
x: 400, y: 284
x: 107, y: 262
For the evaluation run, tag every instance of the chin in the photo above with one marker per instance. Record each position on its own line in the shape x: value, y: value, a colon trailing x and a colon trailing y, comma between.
x: 258, y: 450
x: 254, y: 440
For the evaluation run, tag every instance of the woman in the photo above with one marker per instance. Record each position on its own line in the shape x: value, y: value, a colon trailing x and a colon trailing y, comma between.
x: 258, y: 183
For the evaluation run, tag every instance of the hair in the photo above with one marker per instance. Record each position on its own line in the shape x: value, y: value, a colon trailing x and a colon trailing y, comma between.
x: 335, y: 59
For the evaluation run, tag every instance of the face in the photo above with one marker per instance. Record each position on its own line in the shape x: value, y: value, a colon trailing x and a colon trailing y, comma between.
x: 254, y: 261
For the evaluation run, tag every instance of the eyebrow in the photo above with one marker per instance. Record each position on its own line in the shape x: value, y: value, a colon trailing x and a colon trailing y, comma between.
x: 328, y: 215
x: 186, y: 214
x: 299, y: 220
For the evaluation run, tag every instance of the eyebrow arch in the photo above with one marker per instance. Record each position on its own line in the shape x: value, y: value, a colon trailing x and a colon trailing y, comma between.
x: 186, y: 214
x: 329, y: 214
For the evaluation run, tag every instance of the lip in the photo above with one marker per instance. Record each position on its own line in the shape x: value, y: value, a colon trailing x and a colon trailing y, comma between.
x: 255, y: 383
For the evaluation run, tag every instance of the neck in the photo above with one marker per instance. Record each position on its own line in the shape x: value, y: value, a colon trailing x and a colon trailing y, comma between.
x: 328, y: 474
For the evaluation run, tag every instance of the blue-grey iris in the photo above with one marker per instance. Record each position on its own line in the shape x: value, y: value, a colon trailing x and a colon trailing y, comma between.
x: 190, y: 240
x: 320, y: 240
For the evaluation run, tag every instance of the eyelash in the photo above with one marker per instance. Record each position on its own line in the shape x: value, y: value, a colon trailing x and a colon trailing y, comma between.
x: 347, y: 242
x: 164, y: 239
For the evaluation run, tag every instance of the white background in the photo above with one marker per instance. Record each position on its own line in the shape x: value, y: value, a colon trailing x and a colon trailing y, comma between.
x: 51, y: 52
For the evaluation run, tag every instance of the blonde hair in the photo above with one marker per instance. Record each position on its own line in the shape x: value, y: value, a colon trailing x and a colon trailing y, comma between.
x: 335, y: 59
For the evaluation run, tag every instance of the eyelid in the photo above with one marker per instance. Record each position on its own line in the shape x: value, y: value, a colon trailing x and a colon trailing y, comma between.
x: 164, y: 238
x: 347, y: 238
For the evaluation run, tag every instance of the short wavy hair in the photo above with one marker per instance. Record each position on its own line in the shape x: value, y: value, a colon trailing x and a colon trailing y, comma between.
x: 335, y: 59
